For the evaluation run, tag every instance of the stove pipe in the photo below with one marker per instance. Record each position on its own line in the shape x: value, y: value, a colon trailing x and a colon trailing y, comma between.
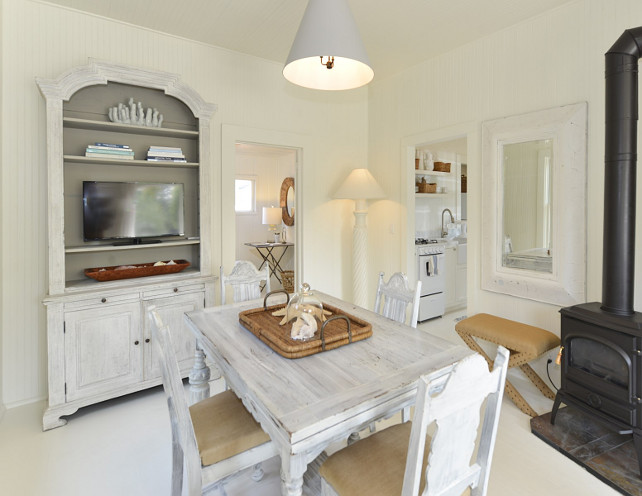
x: 620, y: 172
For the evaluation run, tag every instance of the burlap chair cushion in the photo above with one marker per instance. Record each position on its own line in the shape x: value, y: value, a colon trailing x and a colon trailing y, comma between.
x: 224, y: 428
x: 374, y: 465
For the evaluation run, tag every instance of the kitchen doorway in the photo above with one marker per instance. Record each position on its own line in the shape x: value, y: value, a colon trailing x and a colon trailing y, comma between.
x: 438, y: 168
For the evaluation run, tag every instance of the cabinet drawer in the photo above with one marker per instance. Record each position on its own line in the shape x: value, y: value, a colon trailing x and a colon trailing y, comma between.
x: 102, y: 300
x: 172, y: 290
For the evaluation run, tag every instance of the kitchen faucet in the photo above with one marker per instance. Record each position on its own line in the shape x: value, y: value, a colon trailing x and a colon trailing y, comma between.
x: 444, y: 232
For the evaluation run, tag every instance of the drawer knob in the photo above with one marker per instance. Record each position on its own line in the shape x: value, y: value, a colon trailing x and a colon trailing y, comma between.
x: 147, y: 340
x: 175, y: 290
x: 104, y: 300
x: 136, y: 342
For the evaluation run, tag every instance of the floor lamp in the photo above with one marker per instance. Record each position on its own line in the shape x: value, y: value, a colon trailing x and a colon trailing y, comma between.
x: 360, y: 186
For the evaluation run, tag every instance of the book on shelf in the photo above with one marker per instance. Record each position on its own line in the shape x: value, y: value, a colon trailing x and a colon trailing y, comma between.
x: 110, y: 145
x: 104, y: 156
x: 166, y: 159
x: 110, y: 148
x: 114, y: 151
x: 166, y: 148
x: 164, y: 154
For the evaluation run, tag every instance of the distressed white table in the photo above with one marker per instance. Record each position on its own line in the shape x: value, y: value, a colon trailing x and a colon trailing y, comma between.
x: 305, y: 404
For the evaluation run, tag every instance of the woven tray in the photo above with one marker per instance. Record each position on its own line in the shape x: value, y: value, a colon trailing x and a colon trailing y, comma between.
x: 139, y: 270
x: 265, y: 326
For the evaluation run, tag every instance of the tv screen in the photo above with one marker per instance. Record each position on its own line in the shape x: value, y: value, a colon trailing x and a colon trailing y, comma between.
x: 121, y: 210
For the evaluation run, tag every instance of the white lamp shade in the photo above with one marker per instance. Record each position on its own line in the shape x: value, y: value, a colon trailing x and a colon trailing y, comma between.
x: 360, y: 185
x: 272, y: 215
x: 328, y: 30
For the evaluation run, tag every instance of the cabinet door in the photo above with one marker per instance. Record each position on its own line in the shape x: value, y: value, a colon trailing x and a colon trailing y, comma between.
x: 171, y: 310
x: 451, y: 269
x: 103, y: 349
x: 460, y: 285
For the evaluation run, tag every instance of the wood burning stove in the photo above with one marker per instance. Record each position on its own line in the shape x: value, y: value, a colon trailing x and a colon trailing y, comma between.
x: 602, y: 342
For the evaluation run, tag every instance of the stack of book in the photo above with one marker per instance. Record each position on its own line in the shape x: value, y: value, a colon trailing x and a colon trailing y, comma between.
x: 165, y: 154
x: 109, y: 151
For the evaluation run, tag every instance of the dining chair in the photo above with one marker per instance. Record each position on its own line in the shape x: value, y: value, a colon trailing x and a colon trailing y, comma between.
x: 212, y: 440
x: 245, y: 280
x: 395, y: 460
x: 394, y: 297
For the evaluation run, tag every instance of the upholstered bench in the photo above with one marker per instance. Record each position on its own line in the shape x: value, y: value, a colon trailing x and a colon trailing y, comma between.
x: 525, y: 343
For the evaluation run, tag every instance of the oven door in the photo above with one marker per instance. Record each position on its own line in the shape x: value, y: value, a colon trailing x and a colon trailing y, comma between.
x: 432, y: 273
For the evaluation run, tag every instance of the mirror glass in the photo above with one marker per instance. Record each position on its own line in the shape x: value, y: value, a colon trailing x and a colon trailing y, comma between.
x: 527, y: 173
x: 533, y: 202
x: 289, y: 203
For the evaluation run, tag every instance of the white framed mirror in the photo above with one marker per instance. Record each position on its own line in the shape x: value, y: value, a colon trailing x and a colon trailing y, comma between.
x: 534, y: 205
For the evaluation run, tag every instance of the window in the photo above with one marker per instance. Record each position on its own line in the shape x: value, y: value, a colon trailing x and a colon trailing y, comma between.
x: 244, y: 196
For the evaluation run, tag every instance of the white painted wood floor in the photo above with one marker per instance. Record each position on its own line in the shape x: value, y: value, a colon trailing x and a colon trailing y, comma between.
x: 122, y: 447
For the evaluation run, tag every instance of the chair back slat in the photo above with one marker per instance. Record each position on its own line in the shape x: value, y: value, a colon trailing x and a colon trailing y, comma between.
x: 394, y: 297
x: 245, y: 280
x: 183, y: 436
x: 454, y: 403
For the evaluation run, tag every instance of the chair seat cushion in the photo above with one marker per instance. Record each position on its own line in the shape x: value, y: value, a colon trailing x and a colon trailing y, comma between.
x: 224, y: 428
x: 513, y: 335
x: 374, y: 466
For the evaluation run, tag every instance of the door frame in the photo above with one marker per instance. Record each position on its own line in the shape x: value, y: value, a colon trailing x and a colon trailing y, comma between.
x: 231, y: 135
x: 409, y: 144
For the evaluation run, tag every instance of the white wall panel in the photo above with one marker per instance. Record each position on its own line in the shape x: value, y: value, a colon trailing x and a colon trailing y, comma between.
x: 554, y: 59
x: 41, y: 40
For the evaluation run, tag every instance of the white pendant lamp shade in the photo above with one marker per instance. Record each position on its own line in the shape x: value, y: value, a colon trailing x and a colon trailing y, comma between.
x: 328, y: 30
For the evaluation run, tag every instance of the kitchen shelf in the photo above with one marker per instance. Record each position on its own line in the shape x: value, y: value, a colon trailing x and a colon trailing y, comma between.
x: 419, y: 172
x: 426, y: 195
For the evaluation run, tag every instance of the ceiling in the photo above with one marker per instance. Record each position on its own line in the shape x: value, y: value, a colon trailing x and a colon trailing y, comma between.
x: 396, y: 33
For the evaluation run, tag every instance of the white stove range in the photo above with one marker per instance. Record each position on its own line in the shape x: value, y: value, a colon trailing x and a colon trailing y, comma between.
x: 431, y: 266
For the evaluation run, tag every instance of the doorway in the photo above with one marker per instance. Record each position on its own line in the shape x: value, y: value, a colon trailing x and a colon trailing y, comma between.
x: 442, y: 192
x: 261, y: 172
x: 234, y: 141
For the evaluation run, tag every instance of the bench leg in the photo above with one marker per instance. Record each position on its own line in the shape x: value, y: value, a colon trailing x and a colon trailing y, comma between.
x: 519, y: 400
x: 537, y: 380
x: 511, y: 392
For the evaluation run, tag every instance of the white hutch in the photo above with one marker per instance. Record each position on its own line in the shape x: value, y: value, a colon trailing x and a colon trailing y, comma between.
x: 99, y: 340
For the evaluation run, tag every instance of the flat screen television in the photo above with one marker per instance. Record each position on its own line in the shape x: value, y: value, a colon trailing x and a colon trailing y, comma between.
x: 132, y: 211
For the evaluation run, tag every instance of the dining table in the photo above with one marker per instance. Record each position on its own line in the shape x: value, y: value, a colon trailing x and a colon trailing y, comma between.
x: 306, y: 404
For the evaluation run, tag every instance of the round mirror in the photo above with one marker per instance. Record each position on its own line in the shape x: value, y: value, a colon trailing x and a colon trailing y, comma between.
x: 287, y: 201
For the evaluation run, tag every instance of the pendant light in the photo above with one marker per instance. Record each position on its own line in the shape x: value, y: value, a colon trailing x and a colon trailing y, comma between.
x: 327, y: 53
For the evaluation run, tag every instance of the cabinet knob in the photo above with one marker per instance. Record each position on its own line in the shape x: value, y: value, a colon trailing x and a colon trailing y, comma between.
x: 136, y: 342
x: 175, y: 290
x: 147, y: 340
x: 104, y: 300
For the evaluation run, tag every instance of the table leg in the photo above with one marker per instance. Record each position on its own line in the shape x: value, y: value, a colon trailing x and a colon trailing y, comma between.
x: 292, y: 469
x: 199, y: 377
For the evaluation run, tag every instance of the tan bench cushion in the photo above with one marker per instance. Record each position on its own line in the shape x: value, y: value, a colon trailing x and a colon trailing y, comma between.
x: 513, y: 335
x: 224, y: 428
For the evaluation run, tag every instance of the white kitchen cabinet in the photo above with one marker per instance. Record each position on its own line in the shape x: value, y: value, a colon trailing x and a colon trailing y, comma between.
x: 456, y: 282
x: 461, y: 281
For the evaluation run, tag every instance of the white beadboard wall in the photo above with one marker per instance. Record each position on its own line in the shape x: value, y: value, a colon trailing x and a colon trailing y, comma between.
x: 42, y: 40
x: 551, y: 60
